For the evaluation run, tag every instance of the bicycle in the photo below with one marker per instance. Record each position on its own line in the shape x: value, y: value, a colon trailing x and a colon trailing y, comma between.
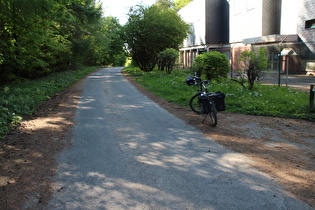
x: 203, y: 102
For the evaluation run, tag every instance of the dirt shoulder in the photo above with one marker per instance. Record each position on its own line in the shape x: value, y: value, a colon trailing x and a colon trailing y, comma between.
x: 282, y: 148
x: 27, y: 154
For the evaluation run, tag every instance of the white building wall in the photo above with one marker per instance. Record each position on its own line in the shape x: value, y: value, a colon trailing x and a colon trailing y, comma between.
x: 245, y: 19
x: 194, y: 14
x: 307, y: 35
x: 289, y: 16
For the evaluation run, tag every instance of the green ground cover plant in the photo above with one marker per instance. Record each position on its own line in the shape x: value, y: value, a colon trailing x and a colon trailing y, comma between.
x: 261, y: 100
x: 17, y: 100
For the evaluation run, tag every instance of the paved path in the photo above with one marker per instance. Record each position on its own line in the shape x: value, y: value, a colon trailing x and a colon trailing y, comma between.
x: 128, y: 153
x: 302, y: 82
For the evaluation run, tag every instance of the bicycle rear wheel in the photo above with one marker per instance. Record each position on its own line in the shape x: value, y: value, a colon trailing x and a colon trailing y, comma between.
x: 195, y: 105
x: 213, y: 114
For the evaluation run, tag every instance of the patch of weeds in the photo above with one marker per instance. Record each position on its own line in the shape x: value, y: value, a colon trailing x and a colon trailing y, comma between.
x: 17, y: 100
x: 261, y: 100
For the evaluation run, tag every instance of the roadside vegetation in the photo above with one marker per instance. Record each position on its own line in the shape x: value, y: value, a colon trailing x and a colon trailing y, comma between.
x: 43, y: 41
x: 22, y: 99
x: 260, y: 100
x: 46, y: 46
x: 151, y: 30
x: 38, y: 38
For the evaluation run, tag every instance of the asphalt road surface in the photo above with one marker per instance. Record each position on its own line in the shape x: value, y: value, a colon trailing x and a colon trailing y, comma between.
x: 298, y: 81
x: 128, y: 153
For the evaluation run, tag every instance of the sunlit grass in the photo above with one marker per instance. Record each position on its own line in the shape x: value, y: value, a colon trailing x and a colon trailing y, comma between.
x: 17, y: 100
x: 262, y: 100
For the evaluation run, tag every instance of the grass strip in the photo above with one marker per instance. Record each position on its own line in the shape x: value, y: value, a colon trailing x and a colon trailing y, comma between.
x: 264, y: 100
x: 17, y: 100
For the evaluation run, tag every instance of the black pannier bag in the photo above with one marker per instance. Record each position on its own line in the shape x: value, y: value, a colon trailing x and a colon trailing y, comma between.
x: 219, y: 101
x: 204, y: 102
x: 190, y: 81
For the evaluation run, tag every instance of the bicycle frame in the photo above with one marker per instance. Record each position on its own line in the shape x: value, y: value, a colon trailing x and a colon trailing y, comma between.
x: 208, y: 109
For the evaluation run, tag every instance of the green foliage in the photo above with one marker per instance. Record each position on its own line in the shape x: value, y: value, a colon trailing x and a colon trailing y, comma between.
x: 261, y: 100
x: 164, y: 3
x: 179, y: 4
x: 151, y: 30
x: 175, y: 5
x: 167, y: 60
x: 254, y: 64
x: 106, y: 45
x: 23, y: 99
x: 213, y: 64
x: 120, y: 60
x: 41, y: 37
x: 25, y: 45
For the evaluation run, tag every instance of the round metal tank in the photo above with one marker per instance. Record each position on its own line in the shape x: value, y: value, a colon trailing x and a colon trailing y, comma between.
x: 217, y: 21
x: 271, y: 17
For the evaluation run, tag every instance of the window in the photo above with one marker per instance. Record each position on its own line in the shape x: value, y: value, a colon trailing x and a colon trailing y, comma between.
x: 310, y: 24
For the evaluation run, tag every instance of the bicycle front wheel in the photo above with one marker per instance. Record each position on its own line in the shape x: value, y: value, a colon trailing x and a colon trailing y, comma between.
x: 213, y: 114
x: 195, y: 105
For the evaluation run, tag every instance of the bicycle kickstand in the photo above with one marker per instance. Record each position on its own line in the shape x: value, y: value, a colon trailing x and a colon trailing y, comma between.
x: 205, y: 118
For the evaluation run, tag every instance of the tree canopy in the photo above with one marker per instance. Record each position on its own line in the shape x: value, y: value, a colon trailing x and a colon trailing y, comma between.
x: 176, y: 5
x: 38, y: 37
x: 150, y: 30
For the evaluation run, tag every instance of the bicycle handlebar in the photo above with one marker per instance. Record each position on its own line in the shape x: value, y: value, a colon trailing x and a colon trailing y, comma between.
x: 194, y: 75
x: 201, y: 83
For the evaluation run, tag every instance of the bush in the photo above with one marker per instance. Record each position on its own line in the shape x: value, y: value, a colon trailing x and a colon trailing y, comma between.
x: 167, y: 60
x: 254, y: 64
x: 213, y: 64
x: 120, y: 60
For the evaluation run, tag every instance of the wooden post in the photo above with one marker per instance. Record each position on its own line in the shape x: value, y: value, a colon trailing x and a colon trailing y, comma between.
x: 312, y: 90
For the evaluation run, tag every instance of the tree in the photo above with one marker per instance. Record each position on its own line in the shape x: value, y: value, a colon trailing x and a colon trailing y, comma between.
x: 151, y: 30
x: 81, y: 27
x: 105, y: 42
x: 165, y: 3
x: 38, y: 37
x: 167, y: 60
x: 24, y: 39
x: 175, y: 5
x: 213, y: 64
x: 254, y: 64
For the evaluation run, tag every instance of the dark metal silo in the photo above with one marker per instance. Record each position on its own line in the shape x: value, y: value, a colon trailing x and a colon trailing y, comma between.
x: 217, y: 21
x: 271, y: 17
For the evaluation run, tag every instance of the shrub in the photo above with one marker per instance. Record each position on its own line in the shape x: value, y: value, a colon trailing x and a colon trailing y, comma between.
x: 167, y: 60
x: 120, y: 60
x: 254, y: 64
x: 213, y: 64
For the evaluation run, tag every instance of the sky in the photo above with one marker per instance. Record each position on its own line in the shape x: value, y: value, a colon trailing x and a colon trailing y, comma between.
x: 120, y: 8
